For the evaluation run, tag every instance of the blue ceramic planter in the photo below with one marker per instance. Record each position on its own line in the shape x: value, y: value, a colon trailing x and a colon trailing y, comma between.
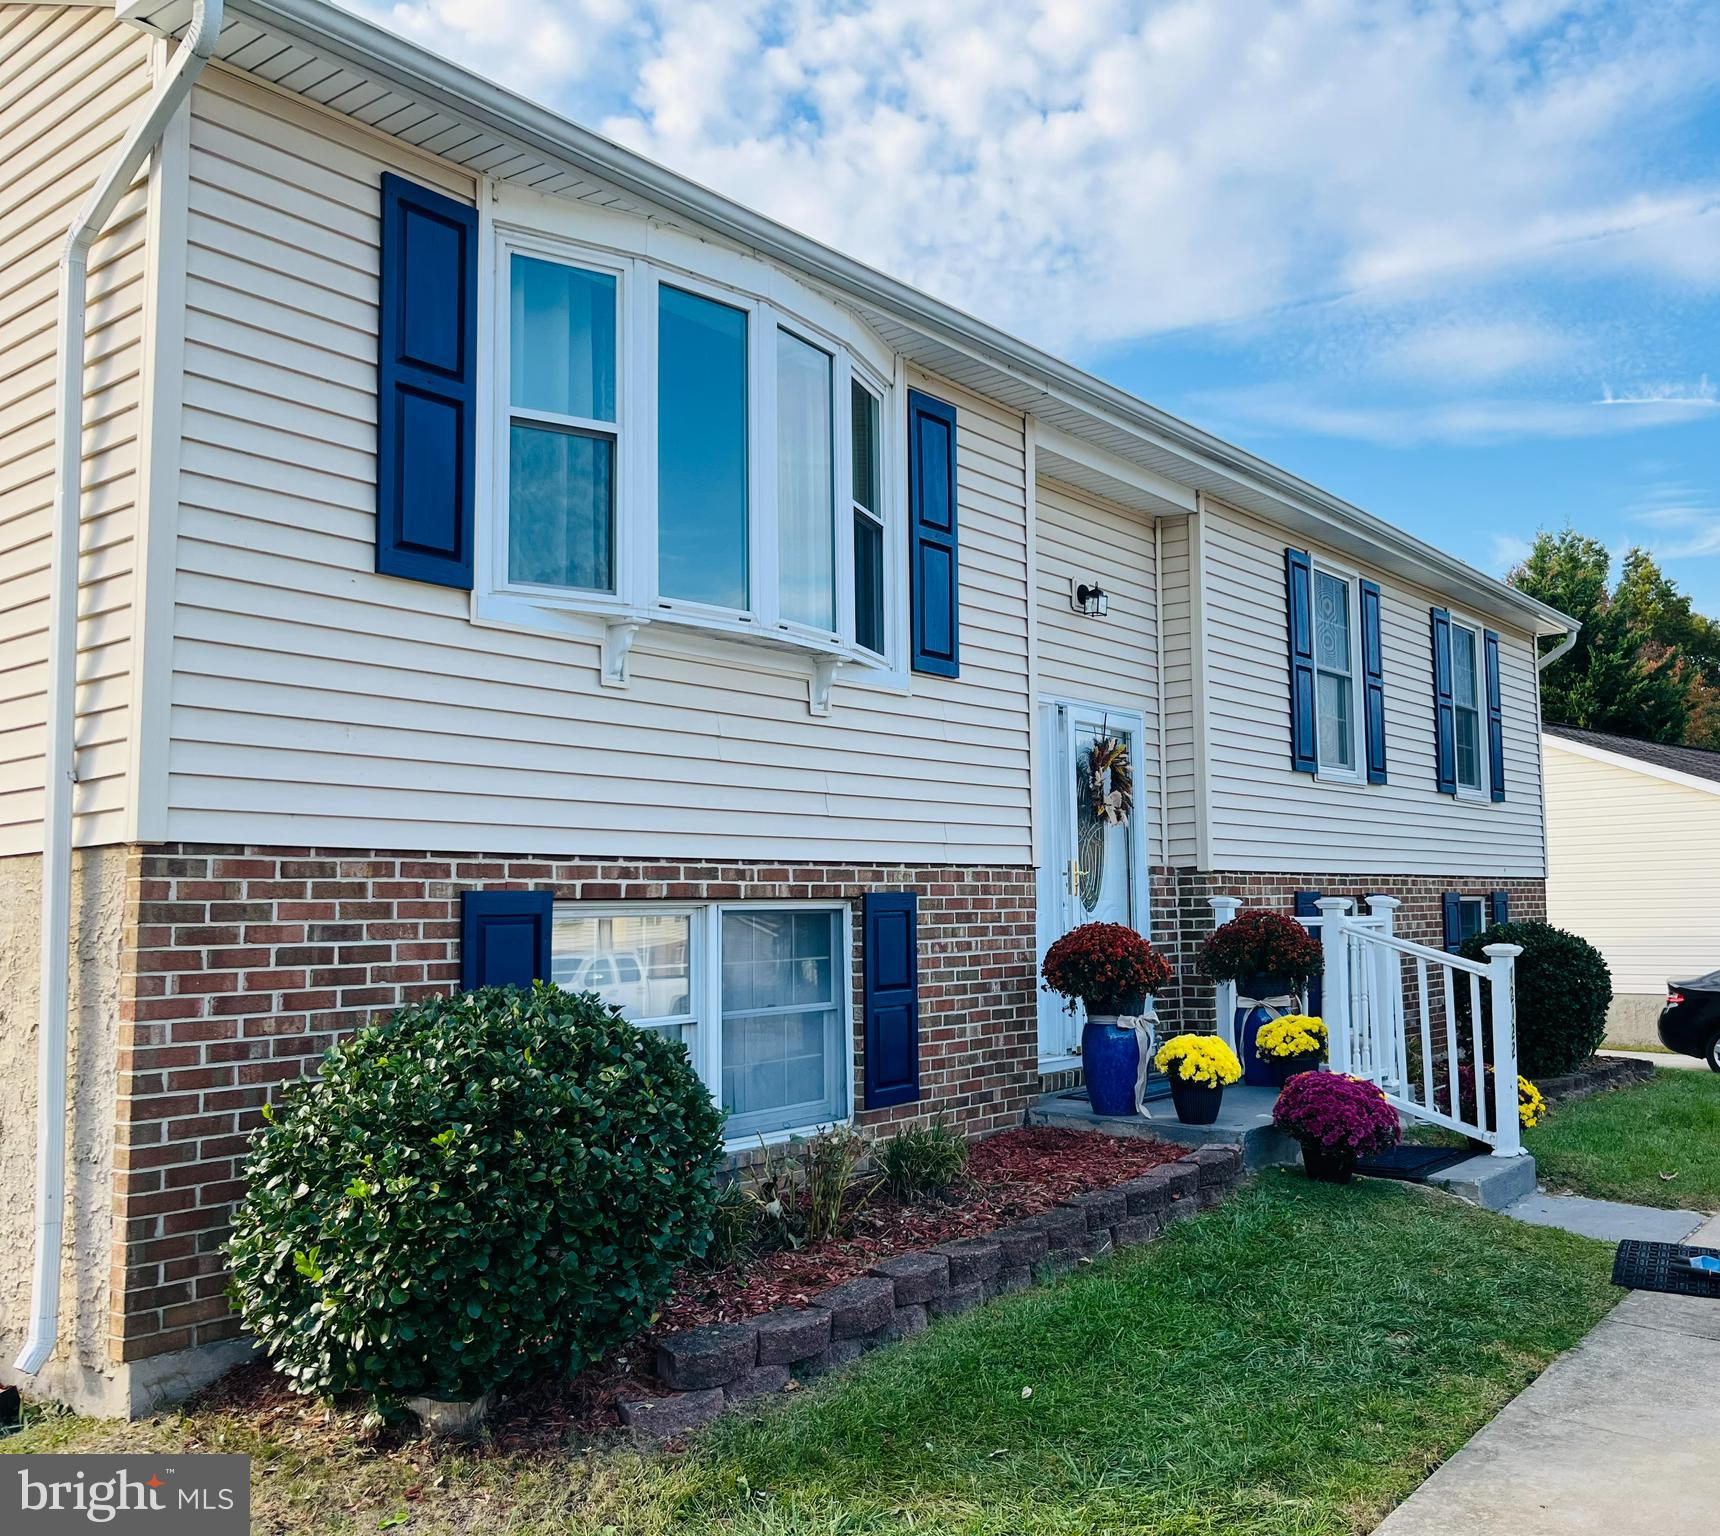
x: 1110, y: 1062
x: 1256, y: 1070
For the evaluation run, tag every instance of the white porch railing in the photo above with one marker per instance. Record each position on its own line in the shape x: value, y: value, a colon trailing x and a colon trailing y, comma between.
x: 1405, y: 1016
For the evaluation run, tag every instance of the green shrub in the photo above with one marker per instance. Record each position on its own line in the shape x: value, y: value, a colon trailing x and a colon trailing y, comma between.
x: 482, y: 1187
x: 922, y: 1160
x: 1563, y: 991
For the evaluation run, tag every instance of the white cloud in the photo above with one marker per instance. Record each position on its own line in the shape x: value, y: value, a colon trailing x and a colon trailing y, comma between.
x: 1468, y: 419
x: 1702, y: 395
x: 1092, y: 171
x: 1506, y: 551
x: 1684, y: 518
x: 1474, y: 351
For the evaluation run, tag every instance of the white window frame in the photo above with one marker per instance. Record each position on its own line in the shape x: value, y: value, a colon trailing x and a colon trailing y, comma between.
x: 636, y: 603
x: 502, y: 377
x: 1480, y: 789
x: 1336, y: 773
x: 703, y: 1031
x: 1480, y: 903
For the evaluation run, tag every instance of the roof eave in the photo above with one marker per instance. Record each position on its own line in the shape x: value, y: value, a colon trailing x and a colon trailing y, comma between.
x: 500, y: 110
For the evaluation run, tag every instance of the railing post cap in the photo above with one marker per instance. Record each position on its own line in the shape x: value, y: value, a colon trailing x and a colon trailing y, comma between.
x: 1386, y: 903
x: 1513, y: 950
x: 1219, y: 903
x: 1333, y: 903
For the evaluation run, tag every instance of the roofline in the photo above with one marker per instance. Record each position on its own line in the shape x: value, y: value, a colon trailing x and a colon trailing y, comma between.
x: 340, y: 31
x: 1636, y: 764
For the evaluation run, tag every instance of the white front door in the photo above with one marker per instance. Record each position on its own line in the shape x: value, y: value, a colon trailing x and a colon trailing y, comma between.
x: 1090, y: 867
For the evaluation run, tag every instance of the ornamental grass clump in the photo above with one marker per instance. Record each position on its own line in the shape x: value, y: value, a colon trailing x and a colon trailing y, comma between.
x: 1337, y: 1114
x: 1103, y: 964
x: 1261, y: 944
x: 481, y: 1188
x: 1202, y: 1059
x: 1292, y: 1035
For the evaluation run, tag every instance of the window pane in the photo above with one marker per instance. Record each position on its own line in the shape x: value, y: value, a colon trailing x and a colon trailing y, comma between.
x: 1334, y: 714
x: 1331, y: 622
x: 561, y: 349
x: 781, y: 1020
x: 701, y: 449
x: 1463, y: 667
x: 1470, y: 918
x: 561, y: 507
x: 864, y: 406
x: 868, y: 583
x: 639, y: 962
x: 805, y: 495
x: 1468, y: 748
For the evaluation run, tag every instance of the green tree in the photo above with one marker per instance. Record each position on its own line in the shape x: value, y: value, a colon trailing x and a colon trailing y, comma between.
x: 1634, y: 670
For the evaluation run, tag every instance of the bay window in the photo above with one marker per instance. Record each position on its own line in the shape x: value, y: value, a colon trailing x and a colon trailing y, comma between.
x: 758, y: 994
x: 671, y: 450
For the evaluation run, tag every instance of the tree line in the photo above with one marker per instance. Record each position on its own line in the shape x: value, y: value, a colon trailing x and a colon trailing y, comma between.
x: 1645, y: 663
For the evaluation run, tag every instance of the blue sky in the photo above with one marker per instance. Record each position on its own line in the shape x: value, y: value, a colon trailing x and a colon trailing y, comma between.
x: 1455, y: 260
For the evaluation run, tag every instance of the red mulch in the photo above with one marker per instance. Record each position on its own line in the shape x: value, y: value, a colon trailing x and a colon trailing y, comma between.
x: 1011, y: 1176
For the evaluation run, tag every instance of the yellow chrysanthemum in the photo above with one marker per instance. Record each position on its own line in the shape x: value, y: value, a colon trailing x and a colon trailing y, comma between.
x: 1531, y: 1105
x: 1293, y: 1034
x: 1199, y: 1059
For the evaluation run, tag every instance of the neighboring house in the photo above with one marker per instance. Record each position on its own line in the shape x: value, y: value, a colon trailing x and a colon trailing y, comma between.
x: 502, y: 557
x: 1633, y: 863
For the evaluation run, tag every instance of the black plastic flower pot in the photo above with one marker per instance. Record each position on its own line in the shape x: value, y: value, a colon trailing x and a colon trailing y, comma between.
x: 1196, y: 1103
x: 1286, y: 1067
x: 1328, y: 1165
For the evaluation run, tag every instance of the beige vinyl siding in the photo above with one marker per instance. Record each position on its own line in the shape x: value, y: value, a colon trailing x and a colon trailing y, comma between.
x: 1634, y: 867
x: 1181, y: 740
x: 70, y: 82
x: 317, y: 702
x: 1112, y: 661
x: 1265, y: 816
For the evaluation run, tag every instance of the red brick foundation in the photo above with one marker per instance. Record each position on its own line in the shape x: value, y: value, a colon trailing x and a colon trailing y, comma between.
x: 243, y: 965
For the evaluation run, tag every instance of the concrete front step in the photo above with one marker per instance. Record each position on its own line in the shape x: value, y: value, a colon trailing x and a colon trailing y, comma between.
x: 1244, y: 1120
x: 1489, y: 1182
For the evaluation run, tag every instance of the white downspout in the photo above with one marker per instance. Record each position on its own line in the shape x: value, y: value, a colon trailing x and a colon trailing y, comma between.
x: 1543, y: 662
x: 61, y: 766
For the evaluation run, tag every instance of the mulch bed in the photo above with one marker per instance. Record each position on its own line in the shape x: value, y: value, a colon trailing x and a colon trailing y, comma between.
x: 1011, y: 1176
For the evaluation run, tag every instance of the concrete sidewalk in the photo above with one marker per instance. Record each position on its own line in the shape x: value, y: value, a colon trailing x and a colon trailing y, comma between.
x: 1661, y: 1059
x: 1618, y: 1436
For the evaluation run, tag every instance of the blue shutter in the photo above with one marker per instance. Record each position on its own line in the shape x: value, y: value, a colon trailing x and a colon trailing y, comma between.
x: 1373, y: 684
x: 933, y: 563
x: 1308, y: 905
x: 426, y: 385
x: 504, y: 938
x: 1501, y: 906
x: 1444, y: 718
x: 1495, y: 716
x: 1453, y: 920
x: 1299, y: 615
x: 890, y: 958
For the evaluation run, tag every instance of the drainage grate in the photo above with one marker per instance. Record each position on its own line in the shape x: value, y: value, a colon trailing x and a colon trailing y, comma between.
x: 1640, y: 1266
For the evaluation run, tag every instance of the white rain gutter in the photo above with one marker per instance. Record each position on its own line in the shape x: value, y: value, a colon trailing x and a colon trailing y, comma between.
x: 53, y: 1002
x: 1543, y: 662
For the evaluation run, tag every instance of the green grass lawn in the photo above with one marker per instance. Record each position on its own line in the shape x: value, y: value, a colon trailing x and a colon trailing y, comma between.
x: 1622, y: 1145
x: 1294, y: 1363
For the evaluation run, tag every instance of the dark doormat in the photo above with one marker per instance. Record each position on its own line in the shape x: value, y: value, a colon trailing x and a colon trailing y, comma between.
x: 1412, y: 1164
x: 1640, y: 1266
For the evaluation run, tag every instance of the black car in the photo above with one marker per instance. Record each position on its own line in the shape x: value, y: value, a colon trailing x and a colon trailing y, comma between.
x: 1690, y: 1021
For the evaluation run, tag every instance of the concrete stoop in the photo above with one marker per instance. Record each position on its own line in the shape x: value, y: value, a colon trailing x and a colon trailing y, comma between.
x: 1489, y: 1182
x: 1244, y: 1120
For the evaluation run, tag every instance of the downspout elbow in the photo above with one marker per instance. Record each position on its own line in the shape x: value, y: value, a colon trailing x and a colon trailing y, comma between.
x: 1543, y: 662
